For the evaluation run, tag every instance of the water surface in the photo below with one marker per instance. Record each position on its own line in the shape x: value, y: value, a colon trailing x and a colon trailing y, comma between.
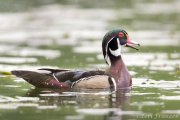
x: 63, y: 34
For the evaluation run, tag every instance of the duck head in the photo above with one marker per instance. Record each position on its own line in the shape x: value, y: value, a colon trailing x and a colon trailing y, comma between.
x: 113, y: 42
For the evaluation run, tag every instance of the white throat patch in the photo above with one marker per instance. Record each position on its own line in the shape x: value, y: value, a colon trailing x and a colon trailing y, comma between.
x: 116, y: 52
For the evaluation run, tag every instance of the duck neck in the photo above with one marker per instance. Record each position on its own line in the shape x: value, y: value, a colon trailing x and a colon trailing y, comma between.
x: 117, y: 65
x: 119, y: 71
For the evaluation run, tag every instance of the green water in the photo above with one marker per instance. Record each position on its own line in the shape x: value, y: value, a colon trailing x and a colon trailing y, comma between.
x: 67, y: 34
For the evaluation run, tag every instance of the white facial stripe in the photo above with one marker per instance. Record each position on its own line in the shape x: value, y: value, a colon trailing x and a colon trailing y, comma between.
x: 107, y: 56
x: 116, y: 52
x: 108, y: 44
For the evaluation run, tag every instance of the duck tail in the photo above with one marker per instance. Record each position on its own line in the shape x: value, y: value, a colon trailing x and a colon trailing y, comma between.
x: 34, y: 78
x: 40, y: 80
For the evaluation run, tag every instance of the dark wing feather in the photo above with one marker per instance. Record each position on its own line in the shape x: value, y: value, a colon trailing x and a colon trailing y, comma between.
x: 54, y: 70
x: 73, y: 76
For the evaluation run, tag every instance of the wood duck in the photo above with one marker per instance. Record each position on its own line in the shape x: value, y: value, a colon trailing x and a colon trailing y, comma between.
x: 116, y: 76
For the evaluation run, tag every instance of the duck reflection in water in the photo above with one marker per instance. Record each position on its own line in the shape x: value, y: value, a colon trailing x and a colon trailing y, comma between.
x: 83, y: 96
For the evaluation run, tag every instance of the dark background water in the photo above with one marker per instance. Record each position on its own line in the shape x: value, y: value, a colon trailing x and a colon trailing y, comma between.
x: 67, y: 34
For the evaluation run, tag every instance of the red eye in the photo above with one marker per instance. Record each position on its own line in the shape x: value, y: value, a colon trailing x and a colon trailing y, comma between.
x: 121, y: 34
